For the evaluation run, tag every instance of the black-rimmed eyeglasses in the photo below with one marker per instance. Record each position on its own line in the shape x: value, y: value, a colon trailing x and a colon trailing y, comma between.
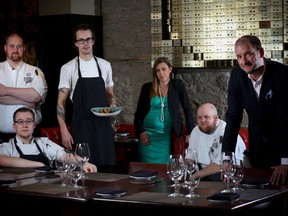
x: 22, y: 122
x: 87, y: 40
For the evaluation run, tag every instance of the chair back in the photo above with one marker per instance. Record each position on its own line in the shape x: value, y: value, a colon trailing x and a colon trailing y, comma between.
x: 160, y: 168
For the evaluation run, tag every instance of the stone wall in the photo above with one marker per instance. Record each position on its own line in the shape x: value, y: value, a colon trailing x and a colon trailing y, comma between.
x: 127, y: 45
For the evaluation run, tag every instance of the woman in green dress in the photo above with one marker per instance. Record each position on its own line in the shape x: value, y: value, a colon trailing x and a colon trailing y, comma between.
x: 158, y: 114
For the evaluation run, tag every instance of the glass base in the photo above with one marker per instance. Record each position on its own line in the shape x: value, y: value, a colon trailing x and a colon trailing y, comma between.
x: 76, y: 186
x: 236, y: 189
x: 227, y: 191
x: 192, y: 195
x: 175, y: 195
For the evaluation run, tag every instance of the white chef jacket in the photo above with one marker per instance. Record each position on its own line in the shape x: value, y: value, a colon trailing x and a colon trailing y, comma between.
x: 48, y: 148
x: 26, y: 76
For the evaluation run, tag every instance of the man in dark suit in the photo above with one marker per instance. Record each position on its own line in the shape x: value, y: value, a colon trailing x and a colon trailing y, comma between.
x: 260, y: 86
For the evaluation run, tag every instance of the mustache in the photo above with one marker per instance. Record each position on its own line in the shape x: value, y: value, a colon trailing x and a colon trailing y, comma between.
x: 248, y: 64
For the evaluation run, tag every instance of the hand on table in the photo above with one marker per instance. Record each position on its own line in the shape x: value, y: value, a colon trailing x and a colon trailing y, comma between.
x: 279, y: 175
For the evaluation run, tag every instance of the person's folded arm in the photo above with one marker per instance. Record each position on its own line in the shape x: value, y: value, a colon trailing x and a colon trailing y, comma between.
x: 9, y: 100
x: 25, y: 94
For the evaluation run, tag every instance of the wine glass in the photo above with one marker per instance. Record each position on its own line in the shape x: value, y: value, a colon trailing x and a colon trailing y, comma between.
x: 82, y: 153
x: 175, y: 170
x: 192, y: 180
x: 190, y: 162
x: 62, y: 165
x: 227, y: 168
x: 238, y: 175
x: 75, y: 170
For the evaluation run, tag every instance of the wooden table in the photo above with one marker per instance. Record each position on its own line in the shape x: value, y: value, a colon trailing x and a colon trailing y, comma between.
x: 43, y: 192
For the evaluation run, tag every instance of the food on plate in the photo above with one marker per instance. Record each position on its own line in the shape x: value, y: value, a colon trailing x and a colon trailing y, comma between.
x: 106, y: 110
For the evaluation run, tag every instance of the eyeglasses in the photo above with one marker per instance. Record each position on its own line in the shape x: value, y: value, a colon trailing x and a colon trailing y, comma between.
x: 21, y: 122
x: 87, y: 40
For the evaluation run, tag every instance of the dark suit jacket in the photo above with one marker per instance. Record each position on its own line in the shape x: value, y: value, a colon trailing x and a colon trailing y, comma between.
x: 267, y: 118
x: 177, y: 95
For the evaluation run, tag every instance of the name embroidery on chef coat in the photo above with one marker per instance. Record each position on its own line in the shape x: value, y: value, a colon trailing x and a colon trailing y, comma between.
x: 28, y: 78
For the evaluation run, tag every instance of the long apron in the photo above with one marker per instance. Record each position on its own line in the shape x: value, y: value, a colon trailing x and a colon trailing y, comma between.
x: 85, y: 126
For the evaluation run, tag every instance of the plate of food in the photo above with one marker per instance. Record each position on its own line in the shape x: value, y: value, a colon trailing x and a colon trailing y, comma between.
x: 106, y: 111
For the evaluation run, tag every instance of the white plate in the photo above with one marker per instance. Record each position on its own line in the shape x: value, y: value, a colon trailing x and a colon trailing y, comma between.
x: 105, y: 195
x: 143, y: 178
x: 115, y: 111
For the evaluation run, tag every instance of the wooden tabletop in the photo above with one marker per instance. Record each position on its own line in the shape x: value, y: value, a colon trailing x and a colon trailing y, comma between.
x: 146, y: 196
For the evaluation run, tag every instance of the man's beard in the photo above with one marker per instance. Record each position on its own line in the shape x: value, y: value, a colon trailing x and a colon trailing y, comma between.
x: 15, y: 58
x: 206, y: 129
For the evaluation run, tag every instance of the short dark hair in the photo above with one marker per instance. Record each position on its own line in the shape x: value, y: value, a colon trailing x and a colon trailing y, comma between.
x: 252, y: 39
x: 83, y: 27
x: 23, y: 109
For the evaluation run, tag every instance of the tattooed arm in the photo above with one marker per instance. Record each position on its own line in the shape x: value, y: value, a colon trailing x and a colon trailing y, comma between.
x: 63, y: 95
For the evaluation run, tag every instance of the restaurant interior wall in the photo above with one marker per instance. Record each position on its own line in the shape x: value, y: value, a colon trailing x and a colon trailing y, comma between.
x: 128, y: 41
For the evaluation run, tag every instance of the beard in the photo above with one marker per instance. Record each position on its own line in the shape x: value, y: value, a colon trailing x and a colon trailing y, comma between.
x: 15, y: 57
x: 207, y: 129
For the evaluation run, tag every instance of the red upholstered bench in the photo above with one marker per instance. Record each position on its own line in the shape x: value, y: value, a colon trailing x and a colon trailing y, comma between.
x: 53, y: 133
x: 129, y: 128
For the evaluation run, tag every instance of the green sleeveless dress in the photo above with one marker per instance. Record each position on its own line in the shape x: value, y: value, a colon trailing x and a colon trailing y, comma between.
x: 159, y: 131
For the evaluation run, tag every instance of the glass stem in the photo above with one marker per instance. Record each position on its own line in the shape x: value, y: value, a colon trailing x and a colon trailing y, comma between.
x: 228, y: 183
x: 176, y: 188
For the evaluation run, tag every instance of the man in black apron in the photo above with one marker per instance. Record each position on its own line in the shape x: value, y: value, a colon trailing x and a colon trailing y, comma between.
x: 86, y: 127
x: 89, y: 91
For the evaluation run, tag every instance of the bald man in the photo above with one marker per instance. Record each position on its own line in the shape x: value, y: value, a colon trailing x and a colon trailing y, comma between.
x: 206, y: 139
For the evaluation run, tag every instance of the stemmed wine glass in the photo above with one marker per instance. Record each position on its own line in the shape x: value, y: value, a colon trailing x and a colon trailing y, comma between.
x: 238, y: 175
x: 227, y: 168
x: 75, y: 169
x: 191, y: 177
x: 62, y: 165
x: 190, y: 162
x: 175, y: 170
x: 192, y: 180
x: 82, y: 153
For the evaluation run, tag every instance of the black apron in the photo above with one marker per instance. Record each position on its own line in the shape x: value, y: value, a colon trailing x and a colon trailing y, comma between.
x: 40, y: 157
x: 85, y: 126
